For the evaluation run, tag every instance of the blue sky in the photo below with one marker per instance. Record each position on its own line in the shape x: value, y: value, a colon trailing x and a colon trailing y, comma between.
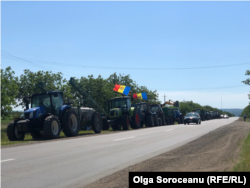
x: 133, y: 35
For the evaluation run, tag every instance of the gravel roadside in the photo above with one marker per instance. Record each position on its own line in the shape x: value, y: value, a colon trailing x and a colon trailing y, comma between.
x: 216, y: 151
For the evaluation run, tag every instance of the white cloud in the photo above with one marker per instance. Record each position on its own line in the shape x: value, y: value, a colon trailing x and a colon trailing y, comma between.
x: 229, y: 100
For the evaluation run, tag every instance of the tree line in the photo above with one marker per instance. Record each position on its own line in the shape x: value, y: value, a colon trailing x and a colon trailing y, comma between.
x: 14, y: 89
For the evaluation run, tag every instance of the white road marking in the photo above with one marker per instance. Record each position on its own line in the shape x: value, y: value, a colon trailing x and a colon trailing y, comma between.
x: 7, y: 160
x: 169, y: 130
x: 124, y: 138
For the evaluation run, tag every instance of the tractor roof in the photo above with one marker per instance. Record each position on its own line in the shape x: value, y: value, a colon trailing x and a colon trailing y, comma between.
x: 49, y: 92
x: 141, y: 103
x: 123, y: 97
x: 154, y: 104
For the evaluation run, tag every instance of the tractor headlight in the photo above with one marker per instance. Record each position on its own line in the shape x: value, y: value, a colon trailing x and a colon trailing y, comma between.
x: 31, y: 115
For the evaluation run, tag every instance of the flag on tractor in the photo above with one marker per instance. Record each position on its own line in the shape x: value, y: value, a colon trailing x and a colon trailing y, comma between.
x: 122, y: 89
x: 142, y: 96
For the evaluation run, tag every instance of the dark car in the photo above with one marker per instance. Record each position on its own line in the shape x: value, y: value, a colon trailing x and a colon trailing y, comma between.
x: 192, y: 117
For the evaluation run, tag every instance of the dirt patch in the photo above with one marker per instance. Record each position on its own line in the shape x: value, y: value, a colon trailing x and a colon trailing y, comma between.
x: 217, y: 151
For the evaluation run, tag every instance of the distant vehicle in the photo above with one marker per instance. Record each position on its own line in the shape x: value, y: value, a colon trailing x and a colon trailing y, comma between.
x: 192, y: 117
x: 221, y: 116
x: 225, y: 116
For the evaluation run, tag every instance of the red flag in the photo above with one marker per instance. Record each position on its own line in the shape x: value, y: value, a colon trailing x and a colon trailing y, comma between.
x: 135, y: 96
x: 116, y: 87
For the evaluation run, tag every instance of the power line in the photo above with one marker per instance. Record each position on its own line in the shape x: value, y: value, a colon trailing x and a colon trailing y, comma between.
x: 100, y: 67
x: 10, y: 56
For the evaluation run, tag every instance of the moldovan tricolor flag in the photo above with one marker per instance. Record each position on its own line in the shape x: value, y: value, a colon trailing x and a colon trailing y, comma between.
x: 142, y: 96
x: 122, y: 89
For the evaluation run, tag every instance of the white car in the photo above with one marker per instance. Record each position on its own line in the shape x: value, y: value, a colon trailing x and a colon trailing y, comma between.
x: 222, y: 116
x: 225, y: 116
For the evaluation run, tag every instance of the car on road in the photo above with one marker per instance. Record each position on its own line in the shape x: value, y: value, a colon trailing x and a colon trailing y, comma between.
x: 221, y: 116
x: 225, y: 116
x: 192, y: 117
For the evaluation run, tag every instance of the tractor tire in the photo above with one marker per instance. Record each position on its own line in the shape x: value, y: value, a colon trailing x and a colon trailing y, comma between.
x: 105, y: 125
x: 70, y: 123
x: 135, y: 124
x: 125, y: 122
x: 172, y: 121
x: 37, y: 134
x: 179, y: 121
x: 52, y: 127
x: 182, y: 119
x: 163, y: 119
x: 149, y: 121
x: 118, y: 127
x: 141, y: 124
x: 12, y: 133
x: 96, y: 122
x: 160, y: 121
x: 114, y: 127
x: 156, y: 122
x: 167, y: 121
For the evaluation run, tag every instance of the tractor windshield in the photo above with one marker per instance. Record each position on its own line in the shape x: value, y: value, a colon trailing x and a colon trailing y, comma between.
x: 154, y: 108
x: 118, y: 103
x: 142, y: 107
x: 42, y: 100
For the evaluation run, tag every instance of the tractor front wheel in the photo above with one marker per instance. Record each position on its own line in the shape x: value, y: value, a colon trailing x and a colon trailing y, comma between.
x: 105, y: 125
x: 52, y: 127
x: 125, y: 122
x: 96, y: 122
x: 160, y: 121
x: 163, y: 119
x: 149, y: 121
x: 156, y: 120
x: 135, y: 120
x: 12, y: 133
x: 70, y: 123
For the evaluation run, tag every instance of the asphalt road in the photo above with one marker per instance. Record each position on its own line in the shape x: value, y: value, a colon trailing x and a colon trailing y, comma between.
x: 84, y: 160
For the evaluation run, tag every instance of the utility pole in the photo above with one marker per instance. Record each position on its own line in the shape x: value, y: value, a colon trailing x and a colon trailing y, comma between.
x: 164, y: 98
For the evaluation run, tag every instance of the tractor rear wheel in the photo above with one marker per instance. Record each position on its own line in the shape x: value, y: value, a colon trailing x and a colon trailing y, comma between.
x: 70, y: 123
x: 125, y: 122
x: 96, y: 122
x: 163, y: 119
x: 160, y: 121
x: 156, y: 122
x: 12, y: 133
x: 135, y: 124
x: 167, y: 121
x: 172, y: 121
x: 149, y: 121
x: 52, y: 127
x: 105, y: 125
x: 118, y: 127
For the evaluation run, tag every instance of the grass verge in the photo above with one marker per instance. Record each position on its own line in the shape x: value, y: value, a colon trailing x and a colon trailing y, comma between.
x: 244, y: 164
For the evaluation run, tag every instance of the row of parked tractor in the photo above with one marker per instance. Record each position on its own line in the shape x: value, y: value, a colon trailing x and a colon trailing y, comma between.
x: 50, y: 114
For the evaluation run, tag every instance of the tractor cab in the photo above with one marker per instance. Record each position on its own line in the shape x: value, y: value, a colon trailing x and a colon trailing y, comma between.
x: 119, y: 105
x: 45, y: 103
x: 176, y: 112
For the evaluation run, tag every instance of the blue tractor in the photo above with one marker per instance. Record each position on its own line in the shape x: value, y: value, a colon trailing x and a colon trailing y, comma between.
x: 46, y: 117
x: 178, y: 116
x: 49, y: 115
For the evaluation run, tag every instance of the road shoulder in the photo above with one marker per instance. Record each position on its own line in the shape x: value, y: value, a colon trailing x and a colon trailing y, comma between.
x: 218, y: 150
